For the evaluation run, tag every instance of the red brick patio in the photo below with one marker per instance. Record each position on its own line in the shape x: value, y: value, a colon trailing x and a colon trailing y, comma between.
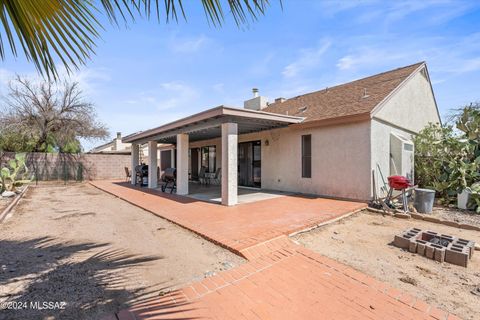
x: 281, y: 280
x: 235, y: 228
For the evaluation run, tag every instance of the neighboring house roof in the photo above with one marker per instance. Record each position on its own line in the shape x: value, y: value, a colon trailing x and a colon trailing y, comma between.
x: 351, y: 99
x: 101, y: 148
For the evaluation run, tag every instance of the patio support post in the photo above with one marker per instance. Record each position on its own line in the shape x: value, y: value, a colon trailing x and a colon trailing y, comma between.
x: 229, y: 164
x: 152, y: 164
x: 182, y: 164
x: 135, y: 159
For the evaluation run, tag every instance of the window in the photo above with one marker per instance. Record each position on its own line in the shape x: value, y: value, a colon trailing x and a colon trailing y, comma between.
x: 307, y: 156
x: 209, y: 158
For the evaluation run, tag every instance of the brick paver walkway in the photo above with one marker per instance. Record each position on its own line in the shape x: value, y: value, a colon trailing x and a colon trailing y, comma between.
x: 235, y: 228
x: 281, y: 280
x: 290, y: 282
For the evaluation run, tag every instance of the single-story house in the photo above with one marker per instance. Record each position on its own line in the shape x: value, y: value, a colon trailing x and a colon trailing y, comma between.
x: 329, y: 142
x: 116, y: 146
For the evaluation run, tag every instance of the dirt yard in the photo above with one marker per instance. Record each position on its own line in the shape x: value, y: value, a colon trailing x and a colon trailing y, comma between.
x: 79, y: 245
x: 364, y: 241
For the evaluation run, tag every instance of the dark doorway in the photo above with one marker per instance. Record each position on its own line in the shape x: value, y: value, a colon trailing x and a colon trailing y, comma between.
x: 250, y: 164
x: 165, y: 159
x: 194, y: 163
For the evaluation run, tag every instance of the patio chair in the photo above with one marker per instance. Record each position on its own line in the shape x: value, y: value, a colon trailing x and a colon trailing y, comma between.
x: 128, y: 174
x: 217, y: 178
x: 202, y: 177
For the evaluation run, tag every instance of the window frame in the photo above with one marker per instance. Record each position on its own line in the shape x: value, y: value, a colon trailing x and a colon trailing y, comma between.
x: 306, y: 158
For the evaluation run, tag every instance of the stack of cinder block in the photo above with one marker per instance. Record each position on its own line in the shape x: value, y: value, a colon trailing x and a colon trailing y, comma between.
x: 455, y: 250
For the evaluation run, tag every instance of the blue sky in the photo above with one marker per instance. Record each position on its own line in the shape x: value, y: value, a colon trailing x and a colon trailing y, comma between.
x: 151, y: 73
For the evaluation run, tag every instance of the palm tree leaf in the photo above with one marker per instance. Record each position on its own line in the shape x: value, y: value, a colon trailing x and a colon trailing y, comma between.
x: 67, y: 29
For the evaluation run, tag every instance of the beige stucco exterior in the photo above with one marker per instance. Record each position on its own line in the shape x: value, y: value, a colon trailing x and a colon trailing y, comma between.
x: 406, y: 112
x: 345, y: 153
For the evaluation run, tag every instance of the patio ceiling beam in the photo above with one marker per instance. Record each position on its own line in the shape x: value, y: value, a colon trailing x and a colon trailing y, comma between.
x: 244, y: 126
x: 212, y: 117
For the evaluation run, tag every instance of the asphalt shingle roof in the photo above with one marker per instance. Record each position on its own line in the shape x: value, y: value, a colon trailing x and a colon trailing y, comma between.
x: 345, y: 99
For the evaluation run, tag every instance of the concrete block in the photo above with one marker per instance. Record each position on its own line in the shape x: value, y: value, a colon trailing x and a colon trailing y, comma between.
x: 402, y: 215
x: 431, y: 219
x: 416, y: 216
x: 468, y: 227
x: 412, y: 246
x: 401, y: 241
x: 458, y: 255
x: 429, y: 251
x: 467, y: 243
x: 439, y: 254
x: 450, y: 223
x: 421, y: 247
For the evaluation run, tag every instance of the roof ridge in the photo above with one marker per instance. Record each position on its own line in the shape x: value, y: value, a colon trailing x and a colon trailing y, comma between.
x: 356, y: 80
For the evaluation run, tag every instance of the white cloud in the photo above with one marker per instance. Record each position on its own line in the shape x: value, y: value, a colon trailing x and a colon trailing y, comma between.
x: 188, y: 45
x: 166, y: 96
x: 308, y: 58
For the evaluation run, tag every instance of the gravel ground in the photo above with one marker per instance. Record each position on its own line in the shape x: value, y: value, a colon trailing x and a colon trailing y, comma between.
x: 99, y: 254
x: 364, y: 241
x: 457, y: 215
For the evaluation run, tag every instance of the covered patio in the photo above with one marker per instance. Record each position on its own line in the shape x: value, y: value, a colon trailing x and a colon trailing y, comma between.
x: 221, y: 122
x: 213, y: 193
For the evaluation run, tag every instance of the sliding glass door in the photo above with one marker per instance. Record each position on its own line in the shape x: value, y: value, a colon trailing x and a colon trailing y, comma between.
x: 250, y: 164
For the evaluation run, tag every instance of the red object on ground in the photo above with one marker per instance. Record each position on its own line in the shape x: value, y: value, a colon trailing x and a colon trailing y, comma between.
x: 398, y: 182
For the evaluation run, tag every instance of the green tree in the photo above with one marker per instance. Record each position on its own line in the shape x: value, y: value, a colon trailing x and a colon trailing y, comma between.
x: 68, y: 29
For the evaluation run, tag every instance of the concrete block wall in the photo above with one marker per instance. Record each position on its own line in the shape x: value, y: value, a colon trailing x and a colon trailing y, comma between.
x: 52, y: 166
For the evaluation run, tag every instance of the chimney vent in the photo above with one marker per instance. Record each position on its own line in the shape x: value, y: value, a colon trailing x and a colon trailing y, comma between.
x: 280, y: 100
x: 119, y: 135
x: 257, y: 102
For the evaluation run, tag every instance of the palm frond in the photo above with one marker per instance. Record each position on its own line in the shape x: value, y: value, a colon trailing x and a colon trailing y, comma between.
x: 48, y: 30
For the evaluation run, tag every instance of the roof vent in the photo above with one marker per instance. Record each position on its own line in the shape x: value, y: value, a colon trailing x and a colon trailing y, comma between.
x: 365, y: 94
x: 303, y: 109
x: 280, y: 100
x: 255, y: 92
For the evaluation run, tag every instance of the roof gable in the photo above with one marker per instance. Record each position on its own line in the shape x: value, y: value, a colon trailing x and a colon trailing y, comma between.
x: 349, y: 99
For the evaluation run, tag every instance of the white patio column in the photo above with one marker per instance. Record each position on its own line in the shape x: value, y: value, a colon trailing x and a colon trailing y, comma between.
x: 182, y: 164
x: 229, y: 164
x: 134, y: 157
x: 172, y: 158
x: 152, y: 164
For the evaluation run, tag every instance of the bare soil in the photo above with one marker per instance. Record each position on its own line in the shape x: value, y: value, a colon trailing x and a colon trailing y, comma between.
x: 365, y: 242
x: 4, y: 202
x: 99, y: 254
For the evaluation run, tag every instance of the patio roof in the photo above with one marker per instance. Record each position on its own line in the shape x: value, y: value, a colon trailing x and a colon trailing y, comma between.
x: 206, y: 125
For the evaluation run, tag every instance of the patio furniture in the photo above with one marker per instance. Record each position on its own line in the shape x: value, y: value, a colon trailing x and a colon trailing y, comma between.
x: 141, y: 175
x: 169, y: 179
x: 217, y: 177
x: 202, y: 177
x: 128, y: 174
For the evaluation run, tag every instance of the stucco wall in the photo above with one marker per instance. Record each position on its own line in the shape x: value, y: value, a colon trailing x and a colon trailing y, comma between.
x: 380, y: 143
x: 340, y: 160
x: 412, y: 107
x: 407, y: 112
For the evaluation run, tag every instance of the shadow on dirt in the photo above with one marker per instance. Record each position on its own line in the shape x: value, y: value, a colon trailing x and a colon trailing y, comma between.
x: 92, y: 284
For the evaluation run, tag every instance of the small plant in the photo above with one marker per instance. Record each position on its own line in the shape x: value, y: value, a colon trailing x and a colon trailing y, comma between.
x: 474, y: 191
x: 14, y: 174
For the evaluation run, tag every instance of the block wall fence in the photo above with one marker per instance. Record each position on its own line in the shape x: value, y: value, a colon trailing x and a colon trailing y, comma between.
x: 86, y: 166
